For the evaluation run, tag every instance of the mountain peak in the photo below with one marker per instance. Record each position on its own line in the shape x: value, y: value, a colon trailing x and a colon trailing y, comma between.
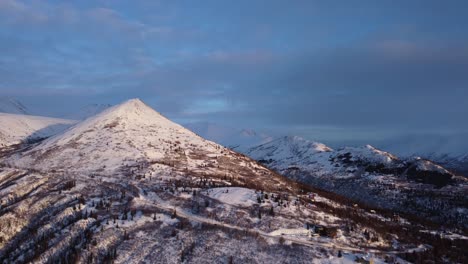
x: 130, y: 111
x: 133, y: 105
x: 126, y: 132
x: 133, y: 101
x: 369, y: 153
x: 297, y: 141
x: 370, y: 147
x: 294, y: 138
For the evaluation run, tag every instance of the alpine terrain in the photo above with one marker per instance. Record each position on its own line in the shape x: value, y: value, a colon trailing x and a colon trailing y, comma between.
x: 130, y: 186
x: 16, y: 128
x: 366, y: 174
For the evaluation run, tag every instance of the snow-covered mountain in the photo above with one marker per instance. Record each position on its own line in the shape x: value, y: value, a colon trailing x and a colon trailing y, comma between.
x: 88, y: 111
x: 124, y: 135
x: 15, y: 128
x: 367, y: 174
x: 130, y: 186
x: 288, y: 151
x: 233, y: 138
x: 296, y: 153
x: 12, y: 106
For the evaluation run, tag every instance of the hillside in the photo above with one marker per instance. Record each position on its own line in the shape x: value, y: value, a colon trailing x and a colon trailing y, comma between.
x: 134, y: 135
x: 371, y: 176
x: 15, y: 128
x: 130, y: 186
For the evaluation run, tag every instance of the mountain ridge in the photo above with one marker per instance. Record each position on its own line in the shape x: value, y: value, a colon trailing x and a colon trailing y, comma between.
x: 15, y: 128
x: 382, y: 178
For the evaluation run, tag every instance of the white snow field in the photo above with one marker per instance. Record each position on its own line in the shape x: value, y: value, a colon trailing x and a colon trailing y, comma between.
x: 15, y: 128
x: 234, y: 196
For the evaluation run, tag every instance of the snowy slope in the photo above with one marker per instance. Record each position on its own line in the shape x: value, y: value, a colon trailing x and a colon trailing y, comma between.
x: 286, y: 152
x: 18, y: 128
x: 299, y: 154
x: 234, y: 196
x: 12, y: 106
x: 369, y: 153
x: 369, y: 175
x: 289, y: 148
x: 129, y: 131
x: 133, y: 134
x: 234, y: 138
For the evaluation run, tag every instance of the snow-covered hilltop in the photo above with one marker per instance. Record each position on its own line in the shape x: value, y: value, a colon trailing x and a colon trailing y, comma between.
x: 15, y: 129
x: 293, y: 148
x: 134, y: 135
x: 290, y: 151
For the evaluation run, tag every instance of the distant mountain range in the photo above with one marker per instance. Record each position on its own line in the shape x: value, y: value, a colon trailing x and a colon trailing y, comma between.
x: 451, y: 151
x: 366, y: 174
x: 369, y: 175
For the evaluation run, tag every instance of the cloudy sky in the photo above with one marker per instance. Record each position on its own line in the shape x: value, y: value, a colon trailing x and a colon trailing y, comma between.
x: 327, y: 70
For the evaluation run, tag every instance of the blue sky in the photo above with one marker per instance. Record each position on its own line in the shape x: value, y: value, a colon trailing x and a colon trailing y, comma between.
x: 327, y: 70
